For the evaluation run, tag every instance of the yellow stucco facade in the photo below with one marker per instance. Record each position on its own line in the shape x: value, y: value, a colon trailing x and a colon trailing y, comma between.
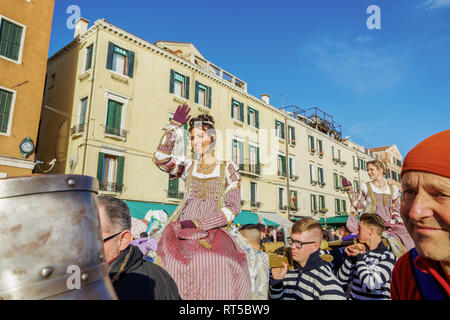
x: 78, y: 131
x: 22, y: 76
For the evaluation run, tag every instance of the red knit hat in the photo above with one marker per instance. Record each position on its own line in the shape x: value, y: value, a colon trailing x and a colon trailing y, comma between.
x: 432, y: 155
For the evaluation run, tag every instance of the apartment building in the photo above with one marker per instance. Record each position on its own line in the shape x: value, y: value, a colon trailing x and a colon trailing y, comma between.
x: 109, y: 93
x: 24, y: 39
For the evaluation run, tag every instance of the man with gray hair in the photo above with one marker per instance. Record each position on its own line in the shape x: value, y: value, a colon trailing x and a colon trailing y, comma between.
x: 131, y: 275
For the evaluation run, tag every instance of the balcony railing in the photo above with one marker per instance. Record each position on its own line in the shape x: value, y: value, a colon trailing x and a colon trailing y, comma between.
x: 175, y: 194
x: 111, y: 186
x: 282, y: 173
x: 116, y: 131
x: 78, y: 128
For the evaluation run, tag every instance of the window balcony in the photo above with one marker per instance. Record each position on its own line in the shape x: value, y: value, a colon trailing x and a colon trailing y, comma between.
x: 175, y: 194
x: 77, y: 129
x: 111, y: 187
x: 251, y: 170
x: 281, y: 174
x: 116, y: 132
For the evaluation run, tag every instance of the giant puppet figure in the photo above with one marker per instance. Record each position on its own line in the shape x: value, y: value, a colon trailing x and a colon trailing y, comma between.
x: 378, y: 196
x: 196, y: 247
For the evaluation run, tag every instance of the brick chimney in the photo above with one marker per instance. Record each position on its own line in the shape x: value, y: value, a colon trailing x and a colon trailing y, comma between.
x: 81, y: 27
x: 265, y: 97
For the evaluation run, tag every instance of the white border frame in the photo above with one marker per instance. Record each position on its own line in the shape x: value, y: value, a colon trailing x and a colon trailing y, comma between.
x: 11, y: 111
x: 22, y: 41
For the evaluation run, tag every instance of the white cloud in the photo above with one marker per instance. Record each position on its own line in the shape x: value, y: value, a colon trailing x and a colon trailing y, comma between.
x: 435, y: 4
x: 363, y: 39
x: 360, y: 69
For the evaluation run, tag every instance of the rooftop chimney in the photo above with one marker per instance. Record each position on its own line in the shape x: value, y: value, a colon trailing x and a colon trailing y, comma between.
x: 81, y: 27
x: 265, y: 97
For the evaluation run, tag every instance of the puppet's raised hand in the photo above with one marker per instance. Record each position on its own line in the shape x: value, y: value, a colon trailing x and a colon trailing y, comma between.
x: 181, y: 115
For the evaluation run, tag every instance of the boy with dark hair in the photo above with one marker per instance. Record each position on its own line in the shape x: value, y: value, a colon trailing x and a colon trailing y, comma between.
x: 369, y: 264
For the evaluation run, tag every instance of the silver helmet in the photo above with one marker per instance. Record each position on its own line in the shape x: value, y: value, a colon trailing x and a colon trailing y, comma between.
x: 51, y: 241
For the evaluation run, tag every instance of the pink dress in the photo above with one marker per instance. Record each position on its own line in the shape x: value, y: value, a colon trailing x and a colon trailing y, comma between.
x: 384, y: 203
x: 206, y: 263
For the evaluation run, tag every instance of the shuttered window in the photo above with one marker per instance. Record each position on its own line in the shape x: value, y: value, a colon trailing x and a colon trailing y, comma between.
x: 120, y: 60
x: 237, y: 110
x: 179, y: 84
x: 114, y: 118
x: 110, y: 172
x: 253, y: 117
x: 10, y: 39
x: 203, y: 94
x: 279, y: 127
x: 83, y: 108
x: 89, y: 53
x: 5, y: 109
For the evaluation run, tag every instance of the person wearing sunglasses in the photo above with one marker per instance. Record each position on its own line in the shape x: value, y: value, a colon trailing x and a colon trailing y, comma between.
x: 133, y: 277
x: 313, y: 279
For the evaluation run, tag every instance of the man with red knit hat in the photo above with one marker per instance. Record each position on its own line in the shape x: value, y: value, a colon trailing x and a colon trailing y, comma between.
x: 424, y: 272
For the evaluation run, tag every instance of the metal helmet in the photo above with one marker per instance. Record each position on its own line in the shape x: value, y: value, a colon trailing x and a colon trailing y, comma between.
x: 51, y: 241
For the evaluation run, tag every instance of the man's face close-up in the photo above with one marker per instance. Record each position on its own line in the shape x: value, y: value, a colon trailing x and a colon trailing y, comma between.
x: 425, y: 209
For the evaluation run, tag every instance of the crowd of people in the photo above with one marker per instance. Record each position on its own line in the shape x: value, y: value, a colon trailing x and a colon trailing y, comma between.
x: 200, y: 254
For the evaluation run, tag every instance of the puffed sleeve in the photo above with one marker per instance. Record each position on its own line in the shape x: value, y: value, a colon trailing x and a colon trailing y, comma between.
x: 232, y: 201
x: 164, y: 157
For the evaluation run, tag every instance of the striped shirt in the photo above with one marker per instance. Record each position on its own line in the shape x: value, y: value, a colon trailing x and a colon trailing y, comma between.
x: 315, y: 281
x: 369, y: 274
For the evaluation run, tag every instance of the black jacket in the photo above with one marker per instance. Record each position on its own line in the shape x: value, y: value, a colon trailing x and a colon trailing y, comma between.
x: 141, y: 279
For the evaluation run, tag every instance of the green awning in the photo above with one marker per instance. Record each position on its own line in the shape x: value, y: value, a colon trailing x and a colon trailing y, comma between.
x: 334, y: 220
x: 268, y: 222
x: 246, y: 217
x: 138, y: 209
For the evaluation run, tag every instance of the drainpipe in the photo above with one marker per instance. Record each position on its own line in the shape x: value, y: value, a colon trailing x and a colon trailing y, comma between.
x: 90, y: 101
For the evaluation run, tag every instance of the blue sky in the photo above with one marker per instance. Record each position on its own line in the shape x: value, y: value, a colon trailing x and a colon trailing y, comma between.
x: 386, y: 86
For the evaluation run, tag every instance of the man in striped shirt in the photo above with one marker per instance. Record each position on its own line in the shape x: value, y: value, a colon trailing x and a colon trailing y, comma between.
x: 313, y: 278
x: 369, y: 264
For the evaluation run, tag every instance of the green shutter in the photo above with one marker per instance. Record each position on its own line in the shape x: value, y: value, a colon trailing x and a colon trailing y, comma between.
x: 173, y: 187
x: 241, y: 106
x: 119, y: 174
x: 5, y: 107
x: 258, y: 170
x: 283, y: 161
x: 186, y: 84
x: 209, y: 97
x: 130, y: 61
x: 196, y: 92
x: 10, y: 39
x: 109, y: 61
x: 89, y: 56
x: 282, y: 130
x: 257, y: 118
x: 172, y: 79
x: 114, y: 117
x: 248, y: 114
x: 101, y: 159
x: 336, y: 181
x: 290, y: 168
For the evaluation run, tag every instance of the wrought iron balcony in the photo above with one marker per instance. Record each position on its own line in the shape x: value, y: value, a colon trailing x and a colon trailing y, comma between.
x: 111, y: 186
x: 175, y: 194
x: 78, y: 128
x: 116, y: 131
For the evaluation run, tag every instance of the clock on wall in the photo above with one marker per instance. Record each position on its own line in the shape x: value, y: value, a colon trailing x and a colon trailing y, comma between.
x: 26, y: 147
